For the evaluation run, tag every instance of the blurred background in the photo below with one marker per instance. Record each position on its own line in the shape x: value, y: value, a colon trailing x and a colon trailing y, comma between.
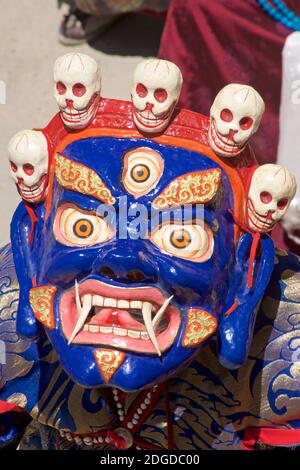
x: 28, y: 48
x: 213, y: 42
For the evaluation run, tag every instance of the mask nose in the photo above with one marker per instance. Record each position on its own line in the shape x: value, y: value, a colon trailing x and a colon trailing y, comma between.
x: 132, y: 267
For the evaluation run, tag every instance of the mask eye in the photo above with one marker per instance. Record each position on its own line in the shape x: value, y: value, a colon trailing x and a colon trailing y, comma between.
x: 191, y: 242
x: 143, y: 167
x: 74, y: 227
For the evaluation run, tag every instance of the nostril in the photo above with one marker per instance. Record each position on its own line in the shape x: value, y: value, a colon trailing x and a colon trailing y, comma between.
x: 107, y: 272
x: 136, y: 275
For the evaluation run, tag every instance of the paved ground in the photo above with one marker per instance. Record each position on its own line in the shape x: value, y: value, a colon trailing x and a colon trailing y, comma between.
x: 28, y: 49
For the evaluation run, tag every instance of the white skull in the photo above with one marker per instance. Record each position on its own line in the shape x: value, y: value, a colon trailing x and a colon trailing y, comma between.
x: 155, y: 93
x: 235, y: 116
x: 271, y: 191
x: 77, y: 88
x: 28, y: 157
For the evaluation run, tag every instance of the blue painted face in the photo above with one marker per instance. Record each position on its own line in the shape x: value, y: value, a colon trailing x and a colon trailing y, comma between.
x: 111, y: 284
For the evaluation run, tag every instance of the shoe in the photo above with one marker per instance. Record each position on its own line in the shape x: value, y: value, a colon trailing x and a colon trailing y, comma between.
x: 78, y: 27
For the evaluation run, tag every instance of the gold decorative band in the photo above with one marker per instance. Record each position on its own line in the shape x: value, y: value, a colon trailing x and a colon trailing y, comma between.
x: 77, y: 177
x: 109, y: 361
x: 41, y: 302
x: 198, y: 187
x: 200, y: 325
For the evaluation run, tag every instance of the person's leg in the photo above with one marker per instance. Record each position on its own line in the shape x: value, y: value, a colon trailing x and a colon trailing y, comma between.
x: 78, y: 26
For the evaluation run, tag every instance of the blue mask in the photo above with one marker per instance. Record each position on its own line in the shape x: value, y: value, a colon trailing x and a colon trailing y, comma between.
x: 128, y: 285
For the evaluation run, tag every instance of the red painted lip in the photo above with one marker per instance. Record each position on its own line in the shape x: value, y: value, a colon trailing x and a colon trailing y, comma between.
x: 235, y: 147
x: 117, y: 317
x: 75, y: 118
x: 158, y: 122
x: 258, y: 221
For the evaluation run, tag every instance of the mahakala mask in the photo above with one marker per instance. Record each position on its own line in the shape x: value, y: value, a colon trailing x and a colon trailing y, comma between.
x: 136, y: 256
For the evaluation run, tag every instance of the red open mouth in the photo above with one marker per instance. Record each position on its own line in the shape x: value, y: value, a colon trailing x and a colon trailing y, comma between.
x: 121, y: 317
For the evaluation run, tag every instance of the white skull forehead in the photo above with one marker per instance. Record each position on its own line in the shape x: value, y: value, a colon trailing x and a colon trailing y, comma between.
x: 155, y: 93
x: 28, y: 156
x: 271, y: 191
x: 156, y: 74
x: 76, y: 67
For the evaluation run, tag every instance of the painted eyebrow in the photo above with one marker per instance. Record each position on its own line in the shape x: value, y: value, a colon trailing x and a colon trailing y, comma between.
x: 198, y: 187
x: 81, y: 179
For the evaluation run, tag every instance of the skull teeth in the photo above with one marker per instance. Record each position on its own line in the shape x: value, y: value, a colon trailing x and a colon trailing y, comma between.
x: 221, y: 143
x: 258, y: 221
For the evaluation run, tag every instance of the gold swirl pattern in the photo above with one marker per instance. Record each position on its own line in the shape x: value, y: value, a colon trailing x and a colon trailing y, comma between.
x: 109, y: 362
x: 200, y: 325
x: 41, y: 302
x: 14, y: 365
x: 80, y: 178
x: 198, y: 187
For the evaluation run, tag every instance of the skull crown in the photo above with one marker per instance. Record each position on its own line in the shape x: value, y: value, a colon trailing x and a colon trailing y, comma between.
x: 28, y: 157
x: 271, y: 191
x: 77, y: 87
x: 155, y: 93
x: 235, y: 116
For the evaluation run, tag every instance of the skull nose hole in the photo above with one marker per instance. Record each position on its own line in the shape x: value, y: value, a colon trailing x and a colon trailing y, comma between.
x: 69, y: 103
x: 136, y: 275
x: 107, y: 272
x: 149, y: 106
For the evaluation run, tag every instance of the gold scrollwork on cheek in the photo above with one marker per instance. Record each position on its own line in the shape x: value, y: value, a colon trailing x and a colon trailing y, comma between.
x: 200, y: 325
x: 193, y: 188
x: 109, y: 361
x: 41, y: 302
x: 80, y: 178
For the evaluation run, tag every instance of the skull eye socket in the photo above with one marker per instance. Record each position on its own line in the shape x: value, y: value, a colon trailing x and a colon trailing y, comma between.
x: 28, y: 169
x: 79, y: 89
x: 160, y: 95
x: 282, y: 203
x: 246, y: 123
x: 61, y: 88
x: 141, y: 90
x: 265, y: 197
x: 226, y: 115
x: 14, y: 167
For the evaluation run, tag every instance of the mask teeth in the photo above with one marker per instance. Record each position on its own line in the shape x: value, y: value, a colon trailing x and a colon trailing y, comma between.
x: 83, y: 312
x: 78, y: 303
x: 147, y: 316
x: 161, y: 312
